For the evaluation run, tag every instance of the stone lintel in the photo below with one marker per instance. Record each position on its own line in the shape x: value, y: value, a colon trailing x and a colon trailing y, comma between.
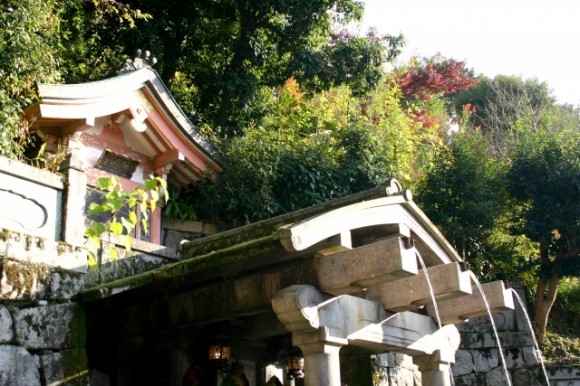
x: 458, y: 310
x: 348, y: 319
x: 353, y: 270
x: 447, y: 281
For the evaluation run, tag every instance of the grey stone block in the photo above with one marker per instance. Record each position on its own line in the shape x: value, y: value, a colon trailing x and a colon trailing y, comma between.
x: 67, y: 368
x: 497, y: 376
x: 485, y: 360
x: 463, y: 363
x: 18, y: 367
x: 57, y: 327
x: 64, y: 285
x: 22, y: 281
x: 6, y: 332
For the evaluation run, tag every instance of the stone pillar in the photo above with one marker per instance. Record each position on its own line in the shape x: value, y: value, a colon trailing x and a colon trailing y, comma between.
x: 74, y: 207
x: 321, y: 359
x: 435, y: 371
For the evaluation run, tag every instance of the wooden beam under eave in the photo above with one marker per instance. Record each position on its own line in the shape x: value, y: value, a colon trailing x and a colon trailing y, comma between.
x: 166, y: 158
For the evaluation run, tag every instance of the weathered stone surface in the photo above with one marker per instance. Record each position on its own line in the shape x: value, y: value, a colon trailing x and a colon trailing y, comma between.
x: 470, y: 380
x: 22, y: 281
x: 485, y: 360
x: 567, y: 375
x: 38, y: 250
x: 400, y: 376
x: 531, y: 356
x: 384, y: 359
x: 351, y: 270
x: 18, y: 367
x: 496, y: 298
x: 487, y: 339
x: 50, y: 327
x: 504, y: 321
x: 463, y: 363
x: 30, y: 190
x: 514, y: 358
x: 447, y: 281
x: 6, y: 333
x: 64, y: 285
x: 528, y: 377
x: 65, y: 368
x: 497, y: 376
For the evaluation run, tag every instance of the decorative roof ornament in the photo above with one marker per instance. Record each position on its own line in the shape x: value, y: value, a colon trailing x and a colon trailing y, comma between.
x: 140, y: 61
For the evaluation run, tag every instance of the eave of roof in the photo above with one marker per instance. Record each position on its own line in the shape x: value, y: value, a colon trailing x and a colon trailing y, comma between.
x: 260, y: 246
x: 109, y: 96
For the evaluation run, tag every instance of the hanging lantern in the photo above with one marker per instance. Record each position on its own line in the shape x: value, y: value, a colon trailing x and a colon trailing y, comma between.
x: 219, y: 354
x: 294, y: 365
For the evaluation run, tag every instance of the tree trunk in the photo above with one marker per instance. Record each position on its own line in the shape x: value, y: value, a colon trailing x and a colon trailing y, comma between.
x: 546, y: 292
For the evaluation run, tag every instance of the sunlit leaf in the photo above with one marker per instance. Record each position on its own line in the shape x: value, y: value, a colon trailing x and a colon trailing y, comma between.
x: 116, y: 228
x: 113, y: 253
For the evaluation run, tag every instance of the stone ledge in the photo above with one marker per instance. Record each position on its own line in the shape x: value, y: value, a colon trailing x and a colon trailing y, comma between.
x: 30, y: 173
x: 38, y: 250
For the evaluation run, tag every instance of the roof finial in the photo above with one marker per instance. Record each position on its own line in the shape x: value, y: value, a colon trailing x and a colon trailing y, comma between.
x: 140, y: 61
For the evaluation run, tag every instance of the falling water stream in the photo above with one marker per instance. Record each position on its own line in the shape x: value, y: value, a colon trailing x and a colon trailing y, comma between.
x: 503, y: 361
x: 478, y: 285
x: 435, y: 307
x: 536, y: 345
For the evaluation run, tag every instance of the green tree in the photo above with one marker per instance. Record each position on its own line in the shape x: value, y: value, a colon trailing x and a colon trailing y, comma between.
x: 545, y: 177
x: 462, y: 195
x: 497, y: 106
x: 226, y: 51
x: 311, y: 149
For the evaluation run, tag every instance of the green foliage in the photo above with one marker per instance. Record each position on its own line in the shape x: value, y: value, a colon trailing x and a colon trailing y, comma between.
x: 566, y: 310
x: 231, y: 50
x: 28, y: 48
x: 552, y: 211
x: 178, y: 208
x: 142, y: 200
x: 561, y: 349
x: 503, y: 106
x: 462, y: 193
x: 312, y: 149
x: 92, y: 38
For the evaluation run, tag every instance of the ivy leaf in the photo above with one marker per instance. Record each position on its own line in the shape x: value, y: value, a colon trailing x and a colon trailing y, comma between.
x: 133, y: 218
x: 116, y: 228
x: 129, y: 226
x: 98, y: 228
x: 128, y: 243
x: 113, y: 253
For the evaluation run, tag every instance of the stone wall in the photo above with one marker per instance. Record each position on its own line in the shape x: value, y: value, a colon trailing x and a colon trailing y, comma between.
x: 42, y: 332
